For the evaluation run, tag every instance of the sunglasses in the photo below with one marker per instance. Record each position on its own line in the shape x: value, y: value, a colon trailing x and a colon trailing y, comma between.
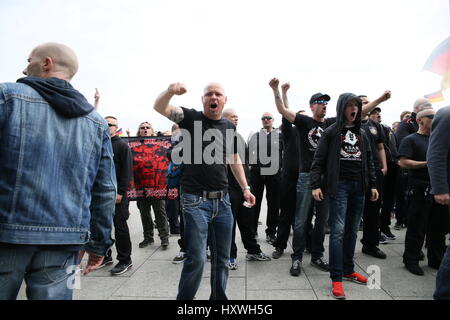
x: 266, y: 118
x: 430, y: 116
x: 145, y: 128
x: 320, y: 102
x: 111, y: 125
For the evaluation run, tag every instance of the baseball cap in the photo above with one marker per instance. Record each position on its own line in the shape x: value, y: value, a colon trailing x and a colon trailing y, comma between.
x: 319, y: 96
x: 377, y: 109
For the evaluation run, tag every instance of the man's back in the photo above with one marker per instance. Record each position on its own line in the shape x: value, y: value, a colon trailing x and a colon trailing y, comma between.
x: 56, y: 169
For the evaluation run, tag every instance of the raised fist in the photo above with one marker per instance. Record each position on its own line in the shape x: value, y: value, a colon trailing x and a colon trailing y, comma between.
x: 177, y: 88
x: 286, y: 86
x: 274, y: 83
x: 386, y: 95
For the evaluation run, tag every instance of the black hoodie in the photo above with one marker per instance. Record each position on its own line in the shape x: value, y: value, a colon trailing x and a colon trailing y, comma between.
x: 325, y: 169
x: 60, y: 95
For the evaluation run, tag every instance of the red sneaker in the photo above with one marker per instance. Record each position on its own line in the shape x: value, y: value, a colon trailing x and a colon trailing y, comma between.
x: 356, y: 277
x: 338, y: 291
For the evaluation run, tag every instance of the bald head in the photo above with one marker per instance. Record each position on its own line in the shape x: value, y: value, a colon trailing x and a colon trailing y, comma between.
x: 52, y: 60
x: 231, y: 115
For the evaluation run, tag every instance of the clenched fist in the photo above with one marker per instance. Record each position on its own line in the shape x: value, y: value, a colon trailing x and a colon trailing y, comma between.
x: 285, y: 87
x: 177, y: 89
x: 274, y: 83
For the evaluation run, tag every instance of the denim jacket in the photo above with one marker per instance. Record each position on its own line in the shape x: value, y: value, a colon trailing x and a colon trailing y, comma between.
x: 57, y: 175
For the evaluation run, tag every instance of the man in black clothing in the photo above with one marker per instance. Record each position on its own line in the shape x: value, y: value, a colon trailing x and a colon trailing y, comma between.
x: 406, y: 127
x: 425, y: 216
x: 123, y: 164
x: 371, y: 215
x: 289, y: 176
x: 243, y: 215
x: 266, y: 142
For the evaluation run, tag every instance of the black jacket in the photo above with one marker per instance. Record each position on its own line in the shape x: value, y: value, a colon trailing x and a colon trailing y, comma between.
x: 291, y: 155
x: 325, y: 168
x: 405, y: 128
x: 123, y: 163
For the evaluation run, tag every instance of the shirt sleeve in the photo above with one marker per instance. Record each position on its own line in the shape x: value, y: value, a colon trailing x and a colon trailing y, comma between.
x: 406, y: 148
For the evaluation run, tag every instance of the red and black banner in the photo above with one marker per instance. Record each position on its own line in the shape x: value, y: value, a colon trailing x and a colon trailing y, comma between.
x: 150, y: 165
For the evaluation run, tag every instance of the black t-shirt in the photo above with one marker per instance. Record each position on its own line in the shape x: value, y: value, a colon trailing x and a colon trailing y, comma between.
x: 202, y: 173
x: 310, y: 132
x: 376, y: 136
x: 415, y: 147
x: 243, y: 154
x: 350, y: 154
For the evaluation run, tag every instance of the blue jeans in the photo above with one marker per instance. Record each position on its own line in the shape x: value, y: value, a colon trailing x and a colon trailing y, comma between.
x: 346, y: 209
x: 47, y: 271
x: 443, y: 278
x: 306, y: 203
x: 199, y: 214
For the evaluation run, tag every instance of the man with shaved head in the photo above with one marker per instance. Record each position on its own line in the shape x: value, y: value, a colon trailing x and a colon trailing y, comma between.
x: 425, y: 216
x: 58, y: 184
x: 207, y: 151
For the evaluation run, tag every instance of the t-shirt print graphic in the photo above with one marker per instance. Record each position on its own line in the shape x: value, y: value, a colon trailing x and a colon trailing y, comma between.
x: 314, y: 136
x: 350, y: 146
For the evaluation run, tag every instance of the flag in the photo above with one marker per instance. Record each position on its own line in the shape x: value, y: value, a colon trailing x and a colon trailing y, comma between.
x: 439, y: 60
x: 435, y: 96
x: 119, y: 132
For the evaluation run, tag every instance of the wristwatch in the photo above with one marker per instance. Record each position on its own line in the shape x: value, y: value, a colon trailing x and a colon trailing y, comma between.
x: 245, y: 188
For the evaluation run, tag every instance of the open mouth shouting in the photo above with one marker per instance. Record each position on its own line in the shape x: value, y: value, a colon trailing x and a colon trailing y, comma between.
x: 213, y: 105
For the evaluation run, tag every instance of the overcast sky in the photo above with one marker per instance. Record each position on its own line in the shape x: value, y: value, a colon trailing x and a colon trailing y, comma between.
x: 132, y: 50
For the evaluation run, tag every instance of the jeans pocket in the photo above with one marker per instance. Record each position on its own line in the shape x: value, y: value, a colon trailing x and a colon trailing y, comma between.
x: 190, y: 201
x: 59, y: 264
x: 226, y: 200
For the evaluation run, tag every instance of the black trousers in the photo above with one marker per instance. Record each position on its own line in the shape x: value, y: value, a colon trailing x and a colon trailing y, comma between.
x: 425, y: 218
x: 243, y: 217
x: 401, y: 198
x: 287, y: 209
x: 121, y: 232
x: 371, y: 216
x: 389, y: 192
x: 272, y: 185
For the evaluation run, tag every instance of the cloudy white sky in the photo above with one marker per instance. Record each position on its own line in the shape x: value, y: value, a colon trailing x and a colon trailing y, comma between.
x: 132, y: 50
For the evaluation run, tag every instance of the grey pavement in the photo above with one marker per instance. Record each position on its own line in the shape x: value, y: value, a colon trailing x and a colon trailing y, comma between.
x: 154, y: 276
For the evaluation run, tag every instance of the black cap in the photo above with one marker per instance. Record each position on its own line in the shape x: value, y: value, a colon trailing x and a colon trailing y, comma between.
x: 319, y: 96
x: 375, y: 110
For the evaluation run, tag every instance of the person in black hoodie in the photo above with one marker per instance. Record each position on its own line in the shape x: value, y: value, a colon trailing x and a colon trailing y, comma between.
x: 123, y: 163
x: 343, y: 169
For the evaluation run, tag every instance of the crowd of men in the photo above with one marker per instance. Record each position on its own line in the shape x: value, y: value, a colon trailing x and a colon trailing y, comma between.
x: 321, y: 175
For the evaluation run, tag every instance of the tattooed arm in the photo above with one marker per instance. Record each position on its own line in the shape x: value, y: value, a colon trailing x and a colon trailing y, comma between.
x: 282, y: 109
x: 163, y: 106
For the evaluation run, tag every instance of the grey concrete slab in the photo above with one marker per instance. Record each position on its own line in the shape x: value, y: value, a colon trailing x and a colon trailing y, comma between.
x: 236, y: 289
x: 281, y: 295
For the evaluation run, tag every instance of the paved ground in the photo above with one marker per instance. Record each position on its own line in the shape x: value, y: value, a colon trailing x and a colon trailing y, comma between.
x: 154, y: 277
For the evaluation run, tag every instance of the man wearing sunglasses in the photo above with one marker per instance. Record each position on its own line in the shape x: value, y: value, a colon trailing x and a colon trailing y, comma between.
x: 269, y: 136
x: 425, y: 216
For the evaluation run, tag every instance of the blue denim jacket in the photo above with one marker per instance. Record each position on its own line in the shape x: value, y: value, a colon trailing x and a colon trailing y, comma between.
x: 57, y: 176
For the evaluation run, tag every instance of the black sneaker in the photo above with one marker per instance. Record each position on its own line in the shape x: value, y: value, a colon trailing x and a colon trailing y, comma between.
x: 120, y: 268
x: 164, y: 244
x: 383, y: 239
x: 270, y: 239
x: 414, y: 269
x: 277, y: 253
x: 296, y: 268
x: 146, y: 243
x: 388, y: 234
x: 321, y: 263
x: 374, y: 252
x: 106, y: 261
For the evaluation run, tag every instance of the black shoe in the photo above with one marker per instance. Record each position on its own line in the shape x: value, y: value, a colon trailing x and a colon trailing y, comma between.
x: 422, y: 256
x: 388, y: 234
x: 434, y: 265
x: 106, y: 261
x: 374, y: 252
x: 270, y: 239
x: 146, y: 243
x: 120, y: 268
x: 164, y: 244
x: 414, y: 269
x: 277, y: 253
x: 296, y: 268
x: 321, y: 263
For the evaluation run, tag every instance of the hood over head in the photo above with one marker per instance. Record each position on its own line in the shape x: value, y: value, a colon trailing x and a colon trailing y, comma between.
x: 340, y: 108
x: 60, y: 95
